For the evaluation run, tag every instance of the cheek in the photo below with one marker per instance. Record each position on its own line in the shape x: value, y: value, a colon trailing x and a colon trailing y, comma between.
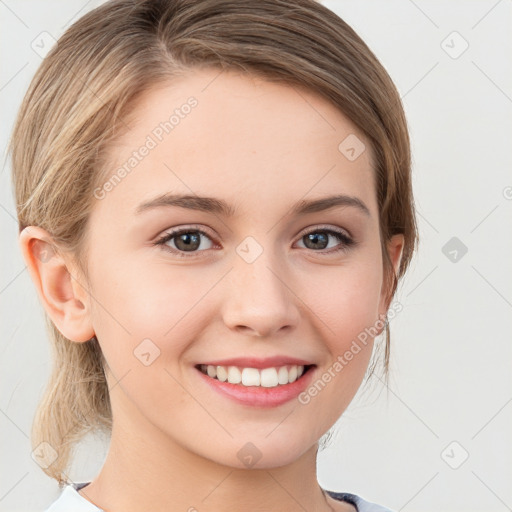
x: 145, y: 324
x: 345, y: 300
x: 345, y: 309
x: 146, y: 301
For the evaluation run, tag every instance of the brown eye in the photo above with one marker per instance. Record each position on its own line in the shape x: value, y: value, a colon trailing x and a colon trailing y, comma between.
x: 187, y: 241
x: 318, y: 240
x: 183, y: 241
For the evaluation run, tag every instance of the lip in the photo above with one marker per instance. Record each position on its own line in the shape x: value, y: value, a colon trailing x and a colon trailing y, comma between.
x: 258, y: 396
x: 257, y: 362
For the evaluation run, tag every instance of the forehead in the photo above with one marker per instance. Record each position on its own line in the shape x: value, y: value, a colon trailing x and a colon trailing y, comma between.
x: 238, y: 137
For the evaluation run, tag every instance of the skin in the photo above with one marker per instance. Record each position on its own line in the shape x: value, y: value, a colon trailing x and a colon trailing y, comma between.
x: 175, y: 441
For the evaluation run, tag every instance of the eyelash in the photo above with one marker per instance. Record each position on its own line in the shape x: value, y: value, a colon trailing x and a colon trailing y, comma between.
x: 346, y: 244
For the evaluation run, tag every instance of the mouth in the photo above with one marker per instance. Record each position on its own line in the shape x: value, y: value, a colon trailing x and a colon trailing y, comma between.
x: 270, y: 377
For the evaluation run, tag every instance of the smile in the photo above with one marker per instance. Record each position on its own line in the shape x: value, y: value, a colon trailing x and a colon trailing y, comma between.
x: 257, y: 387
x: 266, y: 377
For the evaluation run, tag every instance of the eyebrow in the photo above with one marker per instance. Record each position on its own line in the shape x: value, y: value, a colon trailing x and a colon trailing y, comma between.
x: 219, y: 206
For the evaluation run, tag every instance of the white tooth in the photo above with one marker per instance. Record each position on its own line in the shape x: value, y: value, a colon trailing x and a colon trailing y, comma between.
x: 269, y: 378
x: 222, y: 374
x: 250, y: 377
x: 234, y: 375
x: 282, y: 375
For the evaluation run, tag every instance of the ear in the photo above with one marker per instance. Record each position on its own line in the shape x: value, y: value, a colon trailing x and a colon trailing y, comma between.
x: 395, y: 248
x: 65, y: 300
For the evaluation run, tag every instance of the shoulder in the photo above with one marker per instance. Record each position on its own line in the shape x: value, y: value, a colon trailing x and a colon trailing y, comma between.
x: 361, y: 504
x: 70, y: 499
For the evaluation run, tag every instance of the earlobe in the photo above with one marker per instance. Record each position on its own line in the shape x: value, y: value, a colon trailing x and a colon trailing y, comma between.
x: 64, y: 299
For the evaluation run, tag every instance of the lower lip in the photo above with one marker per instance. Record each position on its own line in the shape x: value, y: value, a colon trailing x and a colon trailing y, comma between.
x: 259, y: 396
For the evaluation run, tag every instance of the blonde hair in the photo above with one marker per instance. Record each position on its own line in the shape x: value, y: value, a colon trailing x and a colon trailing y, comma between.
x: 81, y: 94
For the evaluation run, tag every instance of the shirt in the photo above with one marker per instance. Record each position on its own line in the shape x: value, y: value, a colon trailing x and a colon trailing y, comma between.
x: 70, y: 499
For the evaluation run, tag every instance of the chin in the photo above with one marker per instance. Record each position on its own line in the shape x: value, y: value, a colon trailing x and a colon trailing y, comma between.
x: 261, y: 453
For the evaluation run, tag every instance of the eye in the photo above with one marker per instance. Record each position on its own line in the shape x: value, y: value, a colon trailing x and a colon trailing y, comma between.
x: 319, y: 239
x: 184, y: 240
x: 189, y: 240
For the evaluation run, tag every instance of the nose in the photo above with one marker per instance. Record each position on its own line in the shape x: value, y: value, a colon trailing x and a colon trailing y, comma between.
x: 259, y: 298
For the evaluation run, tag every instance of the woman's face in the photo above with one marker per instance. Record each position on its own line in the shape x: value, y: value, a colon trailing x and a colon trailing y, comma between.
x: 267, y: 282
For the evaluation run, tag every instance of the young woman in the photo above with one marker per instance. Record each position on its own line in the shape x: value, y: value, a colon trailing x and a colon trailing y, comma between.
x: 215, y: 206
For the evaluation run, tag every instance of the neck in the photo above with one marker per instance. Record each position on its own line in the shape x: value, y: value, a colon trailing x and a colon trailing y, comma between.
x: 153, y: 472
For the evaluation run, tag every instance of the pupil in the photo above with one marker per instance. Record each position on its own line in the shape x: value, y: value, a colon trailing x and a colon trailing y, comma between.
x: 191, y: 241
x: 315, y: 238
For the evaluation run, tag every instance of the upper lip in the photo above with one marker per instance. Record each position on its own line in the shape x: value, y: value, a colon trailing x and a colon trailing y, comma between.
x: 256, y: 362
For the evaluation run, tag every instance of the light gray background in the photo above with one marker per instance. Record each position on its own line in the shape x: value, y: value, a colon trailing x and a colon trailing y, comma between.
x: 451, y: 353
